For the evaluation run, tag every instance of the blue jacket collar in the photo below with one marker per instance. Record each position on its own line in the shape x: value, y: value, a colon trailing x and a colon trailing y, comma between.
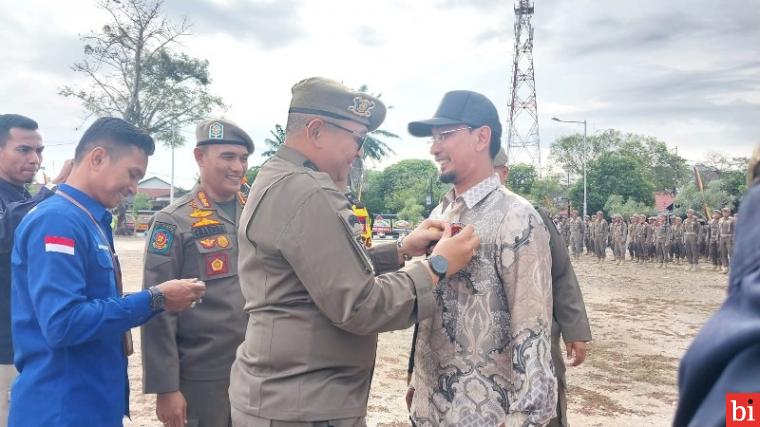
x: 97, y: 210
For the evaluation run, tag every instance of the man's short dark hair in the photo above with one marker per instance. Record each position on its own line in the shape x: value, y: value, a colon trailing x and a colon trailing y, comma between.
x: 115, y: 135
x: 9, y: 121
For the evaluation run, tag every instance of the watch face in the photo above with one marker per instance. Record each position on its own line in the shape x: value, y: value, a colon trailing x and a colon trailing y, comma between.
x: 439, y: 264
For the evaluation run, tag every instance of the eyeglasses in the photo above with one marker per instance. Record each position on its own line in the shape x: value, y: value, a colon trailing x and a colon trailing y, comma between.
x: 358, y: 138
x: 445, y: 134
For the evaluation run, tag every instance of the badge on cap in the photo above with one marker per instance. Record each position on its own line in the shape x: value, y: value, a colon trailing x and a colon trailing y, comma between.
x: 216, y: 131
x: 362, y: 107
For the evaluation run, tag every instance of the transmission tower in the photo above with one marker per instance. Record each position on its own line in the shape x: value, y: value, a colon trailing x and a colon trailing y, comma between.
x: 523, y: 143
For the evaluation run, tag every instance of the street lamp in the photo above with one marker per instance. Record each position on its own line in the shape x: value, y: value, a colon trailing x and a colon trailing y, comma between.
x: 583, y: 160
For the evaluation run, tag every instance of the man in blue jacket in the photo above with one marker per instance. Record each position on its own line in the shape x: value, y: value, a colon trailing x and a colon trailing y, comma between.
x: 70, y: 322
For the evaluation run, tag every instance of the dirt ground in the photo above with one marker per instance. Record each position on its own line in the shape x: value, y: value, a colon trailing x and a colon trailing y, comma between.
x: 642, y: 319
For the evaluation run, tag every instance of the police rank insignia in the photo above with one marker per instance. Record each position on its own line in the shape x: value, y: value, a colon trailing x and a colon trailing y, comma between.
x: 223, y: 241
x: 216, y: 131
x: 204, y: 222
x: 204, y: 200
x: 217, y: 263
x: 161, y: 238
x: 362, y: 107
x: 207, y: 243
x: 198, y: 213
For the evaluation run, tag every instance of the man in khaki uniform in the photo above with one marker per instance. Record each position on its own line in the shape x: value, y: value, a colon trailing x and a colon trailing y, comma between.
x: 725, y: 238
x: 662, y: 240
x: 314, y: 302
x: 677, y: 249
x: 713, y: 239
x: 601, y: 232
x: 690, y: 232
x: 632, y: 222
x: 569, y: 318
x: 619, y: 231
x: 575, y: 225
x: 187, y: 356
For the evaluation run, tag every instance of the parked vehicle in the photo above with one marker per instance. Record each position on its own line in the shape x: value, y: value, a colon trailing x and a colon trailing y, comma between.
x: 144, y: 220
x: 389, y: 226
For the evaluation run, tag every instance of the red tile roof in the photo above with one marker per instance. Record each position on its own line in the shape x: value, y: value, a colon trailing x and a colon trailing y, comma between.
x: 663, y: 200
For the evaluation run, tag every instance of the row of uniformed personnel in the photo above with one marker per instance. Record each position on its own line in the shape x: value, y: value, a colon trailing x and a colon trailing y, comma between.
x: 655, y: 239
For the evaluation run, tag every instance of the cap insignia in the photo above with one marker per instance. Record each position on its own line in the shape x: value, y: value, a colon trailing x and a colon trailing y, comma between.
x: 362, y: 107
x: 216, y: 131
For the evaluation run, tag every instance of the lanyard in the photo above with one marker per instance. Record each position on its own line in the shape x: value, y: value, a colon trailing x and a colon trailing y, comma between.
x: 127, y: 337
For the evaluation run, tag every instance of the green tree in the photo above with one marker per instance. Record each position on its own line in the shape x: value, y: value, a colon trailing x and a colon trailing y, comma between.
x: 521, y: 178
x: 140, y: 202
x: 387, y: 191
x: 714, y: 197
x: 570, y: 151
x: 412, y: 211
x: 274, y: 143
x: 374, y: 147
x: 617, y: 205
x: 250, y: 174
x: 136, y: 71
x: 546, y: 191
x: 614, y: 173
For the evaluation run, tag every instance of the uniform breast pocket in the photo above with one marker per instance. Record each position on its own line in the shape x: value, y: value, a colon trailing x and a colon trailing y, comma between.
x: 104, y: 284
x: 217, y: 257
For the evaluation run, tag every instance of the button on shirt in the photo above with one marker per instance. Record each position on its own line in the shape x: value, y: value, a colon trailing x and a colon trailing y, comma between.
x: 484, y: 357
x: 68, y: 319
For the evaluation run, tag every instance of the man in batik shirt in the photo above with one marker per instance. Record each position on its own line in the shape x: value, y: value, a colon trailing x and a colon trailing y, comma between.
x: 484, y: 358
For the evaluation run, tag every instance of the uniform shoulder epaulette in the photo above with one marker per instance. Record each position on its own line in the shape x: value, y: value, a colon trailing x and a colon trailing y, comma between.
x: 178, y: 203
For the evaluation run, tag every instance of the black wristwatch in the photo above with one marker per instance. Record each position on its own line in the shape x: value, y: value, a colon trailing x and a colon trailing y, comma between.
x: 156, y: 298
x: 439, y: 265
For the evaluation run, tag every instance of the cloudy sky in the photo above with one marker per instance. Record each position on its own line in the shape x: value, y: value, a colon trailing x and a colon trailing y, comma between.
x: 684, y: 71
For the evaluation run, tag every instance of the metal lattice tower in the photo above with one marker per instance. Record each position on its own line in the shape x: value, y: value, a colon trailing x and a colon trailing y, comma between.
x: 523, y: 144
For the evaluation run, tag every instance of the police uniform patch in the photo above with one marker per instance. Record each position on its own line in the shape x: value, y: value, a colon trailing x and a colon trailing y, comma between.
x: 203, y: 199
x: 203, y: 222
x: 223, y: 241
x: 217, y: 263
x: 207, y: 243
x: 362, y: 107
x: 161, y: 238
x: 209, y: 230
x: 216, y: 131
x: 198, y: 213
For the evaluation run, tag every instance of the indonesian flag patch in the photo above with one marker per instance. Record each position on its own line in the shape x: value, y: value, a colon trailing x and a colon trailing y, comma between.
x: 62, y: 245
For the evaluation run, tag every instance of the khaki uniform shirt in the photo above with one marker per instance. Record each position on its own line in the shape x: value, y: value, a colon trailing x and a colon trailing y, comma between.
x: 576, y: 228
x: 690, y: 228
x: 484, y: 357
x: 619, y: 232
x: 314, y: 304
x: 714, y: 230
x: 678, y: 231
x: 726, y: 227
x: 601, y: 230
x: 662, y: 233
x: 193, y: 238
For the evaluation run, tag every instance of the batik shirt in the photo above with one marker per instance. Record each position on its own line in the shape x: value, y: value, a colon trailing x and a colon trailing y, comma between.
x: 484, y: 359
